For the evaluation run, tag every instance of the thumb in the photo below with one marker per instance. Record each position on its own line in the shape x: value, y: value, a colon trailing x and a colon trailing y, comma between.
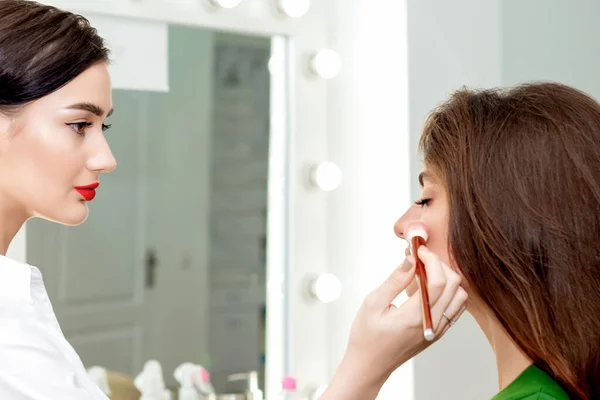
x: 395, y: 284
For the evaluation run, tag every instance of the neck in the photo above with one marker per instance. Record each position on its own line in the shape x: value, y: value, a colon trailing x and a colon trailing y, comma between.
x: 510, y: 359
x: 12, y: 218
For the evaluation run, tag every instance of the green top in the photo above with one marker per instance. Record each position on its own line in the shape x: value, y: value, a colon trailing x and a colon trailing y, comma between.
x: 532, y: 384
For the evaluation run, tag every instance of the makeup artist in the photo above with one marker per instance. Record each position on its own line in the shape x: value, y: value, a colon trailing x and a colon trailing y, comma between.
x: 55, y: 95
x: 511, y: 202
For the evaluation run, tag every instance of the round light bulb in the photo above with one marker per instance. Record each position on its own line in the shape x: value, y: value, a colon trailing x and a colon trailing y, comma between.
x: 226, y: 3
x: 326, y: 288
x: 294, y: 8
x: 326, y: 64
x: 326, y: 176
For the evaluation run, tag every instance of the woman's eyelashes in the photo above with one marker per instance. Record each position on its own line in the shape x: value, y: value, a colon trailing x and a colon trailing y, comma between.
x: 422, y: 202
x: 80, y: 127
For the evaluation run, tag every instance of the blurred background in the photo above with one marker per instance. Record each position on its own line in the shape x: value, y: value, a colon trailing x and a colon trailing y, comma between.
x: 265, y: 150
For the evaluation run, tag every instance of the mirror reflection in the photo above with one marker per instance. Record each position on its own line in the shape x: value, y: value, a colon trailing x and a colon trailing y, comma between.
x: 171, y: 262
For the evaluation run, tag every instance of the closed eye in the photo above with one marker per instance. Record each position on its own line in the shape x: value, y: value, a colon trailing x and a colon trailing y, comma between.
x: 422, y: 202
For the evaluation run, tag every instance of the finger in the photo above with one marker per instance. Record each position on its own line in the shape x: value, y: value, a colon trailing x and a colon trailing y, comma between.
x: 410, y: 312
x: 453, y: 311
x: 436, y: 277
x: 412, y: 288
x: 462, y: 311
x: 395, y: 284
x: 452, y: 284
x: 436, y: 283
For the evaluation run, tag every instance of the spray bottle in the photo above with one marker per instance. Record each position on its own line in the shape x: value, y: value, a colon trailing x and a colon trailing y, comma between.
x: 194, y: 381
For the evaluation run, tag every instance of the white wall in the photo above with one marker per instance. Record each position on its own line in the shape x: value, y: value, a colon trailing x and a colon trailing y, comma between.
x: 369, y: 139
x: 551, y: 40
x: 451, y: 44
x: 135, y: 43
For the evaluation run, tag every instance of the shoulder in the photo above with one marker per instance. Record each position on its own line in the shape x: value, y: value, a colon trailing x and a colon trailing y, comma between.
x: 552, y: 393
x: 16, y: 279
x: 24, y: 335
x: 541, y: 394
x: 533, y: 384
x: 544, y: 394
x: 33, y: 363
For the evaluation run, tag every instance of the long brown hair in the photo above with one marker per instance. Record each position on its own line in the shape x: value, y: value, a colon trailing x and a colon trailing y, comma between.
x: 522, y: 171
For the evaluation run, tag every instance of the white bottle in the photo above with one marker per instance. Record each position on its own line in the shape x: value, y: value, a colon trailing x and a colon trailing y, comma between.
x: 150, y: 382
x: 100, y: 378
x: 194, y: 381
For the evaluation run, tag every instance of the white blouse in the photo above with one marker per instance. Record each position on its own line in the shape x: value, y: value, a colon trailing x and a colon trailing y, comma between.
x: 36, y: 361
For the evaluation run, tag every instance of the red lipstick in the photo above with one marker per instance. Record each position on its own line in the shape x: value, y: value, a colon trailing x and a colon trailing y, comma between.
x: 88, y: 192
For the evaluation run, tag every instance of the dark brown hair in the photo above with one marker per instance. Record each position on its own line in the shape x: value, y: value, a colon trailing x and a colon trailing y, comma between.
x: 522, y: 171
x: 42, y: 49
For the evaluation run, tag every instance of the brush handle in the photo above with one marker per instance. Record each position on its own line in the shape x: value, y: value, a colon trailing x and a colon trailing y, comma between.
x: 428, y: 331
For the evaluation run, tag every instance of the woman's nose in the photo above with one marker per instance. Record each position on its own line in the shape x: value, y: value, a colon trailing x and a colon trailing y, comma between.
x: 412, y: 214
x: 103, y: 160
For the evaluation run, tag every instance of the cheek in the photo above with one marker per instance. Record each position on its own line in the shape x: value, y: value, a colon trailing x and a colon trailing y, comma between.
x: 46, y: 157
x: 438, y: 243
x: 437, y: 223
x: 58, y: 148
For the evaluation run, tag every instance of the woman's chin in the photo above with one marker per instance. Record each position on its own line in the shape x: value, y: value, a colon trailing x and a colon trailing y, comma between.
x: 79, y: 215
x: 71, y: 216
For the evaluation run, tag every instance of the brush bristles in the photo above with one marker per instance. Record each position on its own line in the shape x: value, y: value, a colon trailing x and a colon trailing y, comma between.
x: 414, y: 231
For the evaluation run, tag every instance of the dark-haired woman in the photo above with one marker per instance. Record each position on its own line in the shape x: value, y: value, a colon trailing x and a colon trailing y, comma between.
x: 55, y: 94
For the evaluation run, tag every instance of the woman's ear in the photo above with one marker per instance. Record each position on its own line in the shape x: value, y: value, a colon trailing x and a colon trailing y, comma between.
x: 5, y: 123
x: 10, y: 124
